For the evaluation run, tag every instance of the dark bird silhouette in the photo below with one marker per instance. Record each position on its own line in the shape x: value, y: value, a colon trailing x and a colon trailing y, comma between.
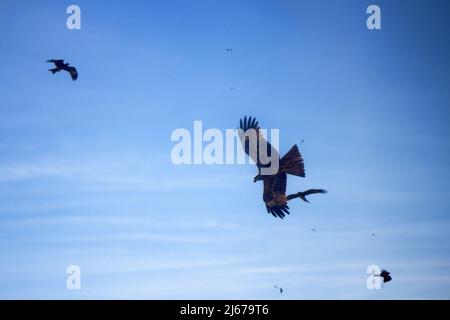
x: 313, y: 230
x: 60, y: 65
x: 230, y: 49
x: 385, y: 275
x: 281, y: 289
x: 274, y: 194
x: 373, y: 234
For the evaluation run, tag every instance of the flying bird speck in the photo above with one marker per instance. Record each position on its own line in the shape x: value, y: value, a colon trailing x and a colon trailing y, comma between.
x: 60, y: 65
x: 385, y: 275
x: 280, y: 289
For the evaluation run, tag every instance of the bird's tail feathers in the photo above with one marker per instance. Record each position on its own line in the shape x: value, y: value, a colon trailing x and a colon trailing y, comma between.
x: 292, y: 162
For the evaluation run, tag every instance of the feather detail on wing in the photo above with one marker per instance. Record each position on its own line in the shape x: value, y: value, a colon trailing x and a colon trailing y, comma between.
x: 253, y: 140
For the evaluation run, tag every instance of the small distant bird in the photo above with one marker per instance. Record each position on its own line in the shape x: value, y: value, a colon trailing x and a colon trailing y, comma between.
x: 274, y: 192
x: 303, y: 140
x: 373, y: 234
x: 281, y: 289
x: 230, y: 49
x: 60, y: 65
x: 231, y: 88
x: 385, y: 275
x: 313, y: 230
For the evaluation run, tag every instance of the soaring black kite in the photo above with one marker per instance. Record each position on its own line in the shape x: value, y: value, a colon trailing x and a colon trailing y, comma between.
x: 60, y: 65
x: 274, y: 194
x: 385, y: 275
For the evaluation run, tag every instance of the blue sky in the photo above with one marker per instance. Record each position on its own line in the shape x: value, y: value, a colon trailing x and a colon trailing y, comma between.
x: 86, y: 176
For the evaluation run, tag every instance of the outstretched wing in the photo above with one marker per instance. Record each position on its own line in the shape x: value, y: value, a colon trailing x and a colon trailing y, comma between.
x: 275, y: 195
x: 73, y: 72
x: 252, y: 141
x: 58, y: 62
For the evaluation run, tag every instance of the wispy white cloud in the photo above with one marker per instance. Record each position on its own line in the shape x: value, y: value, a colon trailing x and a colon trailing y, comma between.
x: 122, y: 221
x: 110, y: 175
